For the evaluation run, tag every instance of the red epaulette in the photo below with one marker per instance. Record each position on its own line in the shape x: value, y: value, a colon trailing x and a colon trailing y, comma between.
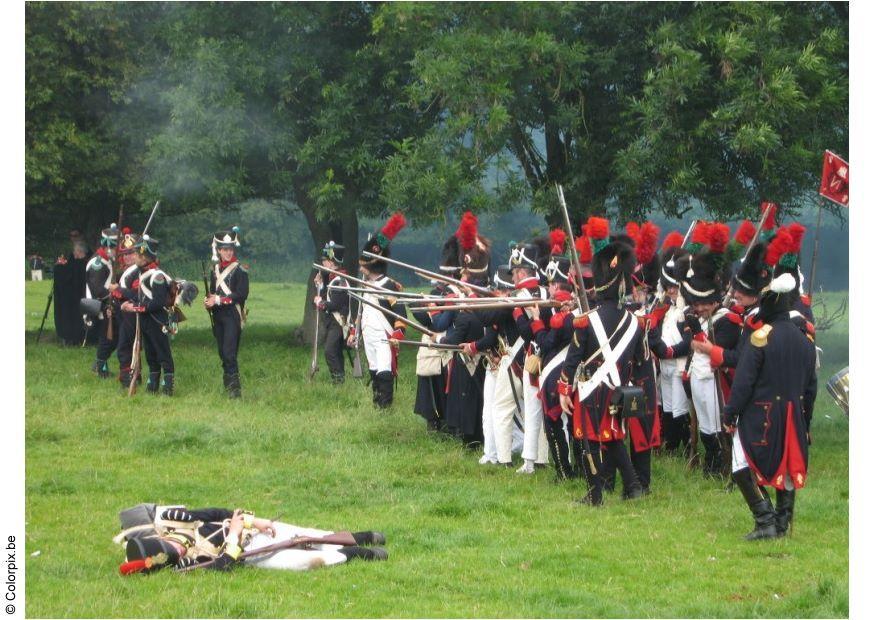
x: 754, y: 324
x: 581, y: 322
x: 805, y: 299
x: 735, y: 318
x: 737, y: 309
x: 558, y: 320
x: 809, y: 327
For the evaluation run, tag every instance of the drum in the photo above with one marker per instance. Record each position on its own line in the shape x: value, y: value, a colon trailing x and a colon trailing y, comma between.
x: 839, y: 387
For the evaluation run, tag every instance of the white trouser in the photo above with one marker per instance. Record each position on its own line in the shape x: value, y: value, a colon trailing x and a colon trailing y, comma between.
x: 379, y: 354
x: 535, y: 446
x: 671, y: 385
x: 294, y: 559
x: 36, y: 275
x: 506, y: 419
x: 489, y: 450
x: 705, y: 402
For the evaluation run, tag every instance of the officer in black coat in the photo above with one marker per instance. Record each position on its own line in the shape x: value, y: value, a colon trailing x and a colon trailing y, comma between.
x: 226, y: 300
x: 770, y: 409
x: 333, y: 302
x: 99, y: 280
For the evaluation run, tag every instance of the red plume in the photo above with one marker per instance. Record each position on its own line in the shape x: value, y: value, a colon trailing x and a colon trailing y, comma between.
x: 584, y: 249
x: 797, y: 231
x: 633, y: 230
x: 645, y: 247
x: 394, y: 226
x: 673, y: 240
x: 557, y: 241
x: 746, y: 231
x: 134, y: 566
x: 598, y: 227
x: 701, y: 233
x: 718, y: 237
x: 467, y: 231
x: 769, y: 224
x: 779, y: 245
x: 126, y: 230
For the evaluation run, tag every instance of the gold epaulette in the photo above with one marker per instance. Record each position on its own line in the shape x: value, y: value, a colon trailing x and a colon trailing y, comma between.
x: 761, y: 336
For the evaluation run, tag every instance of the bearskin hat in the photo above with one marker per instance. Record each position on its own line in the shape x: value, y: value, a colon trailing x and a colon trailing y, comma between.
x: 503, y: 278
x: 647, y: 263
x: 783, y: 289
x: 450, y: 257
x: 559, y: 265
x: 474, y: 249
x: 532, y: 255
x: 708, y: 273
x: 613, y: 260
x: 378, y: 243
x: 148, y: 554
x: 670, y: 256
x: 752, y: 275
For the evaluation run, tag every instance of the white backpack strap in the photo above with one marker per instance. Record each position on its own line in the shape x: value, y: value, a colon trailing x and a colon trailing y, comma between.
x: 221, y: 277
x: 609, y: 356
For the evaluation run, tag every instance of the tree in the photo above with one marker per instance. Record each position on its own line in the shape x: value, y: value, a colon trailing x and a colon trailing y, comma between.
x: 619, y: 101
x: 285, y: 102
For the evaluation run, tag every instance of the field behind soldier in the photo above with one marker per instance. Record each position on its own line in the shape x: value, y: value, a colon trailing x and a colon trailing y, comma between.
x: 464, y: 540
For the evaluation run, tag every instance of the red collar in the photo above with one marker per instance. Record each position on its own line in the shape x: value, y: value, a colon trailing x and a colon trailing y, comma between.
x: 152, y: 265
x: 530, y: 282
x: 224, y: 264
x: 103, y: 253
x: 562, y: 296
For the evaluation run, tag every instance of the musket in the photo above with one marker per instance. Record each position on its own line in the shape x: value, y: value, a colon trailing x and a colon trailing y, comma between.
x: 438, y: 302
x: 46, y: 313
x: 580, y: 289
x: 207, y: 292
x: 117, y: 271
x: 370, y: 285
x: 522, y: 303
x: 337, y: 538
x: 356, y: 361
x: 689, y: 232
x: 149, y: 221
x: 750, y: 244
x: 394, y: 315
x: 431, y: 275
x: 135, y: 359
x: 429, y: 345
x: 813, y: 270
x: 314, y: 363
x: 417, y: 296
x: 722, y: 436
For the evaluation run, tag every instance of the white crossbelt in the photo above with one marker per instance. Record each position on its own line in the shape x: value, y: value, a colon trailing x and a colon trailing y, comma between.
x: 221, y: 277
x: 607, y: 373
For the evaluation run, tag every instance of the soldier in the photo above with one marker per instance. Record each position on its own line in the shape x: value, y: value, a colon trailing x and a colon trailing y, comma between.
x: 217, y: 539
x: 150, y: 297
x: 528, y: 262
x: 333, y: 302
x: 126, y: 320
x: 465, y: 374
x: 376, y: 325
x: 771, y: 405
x: 226, y: 301
x: 99, y: 279
x: 665, y: 332
x: 606, y: 343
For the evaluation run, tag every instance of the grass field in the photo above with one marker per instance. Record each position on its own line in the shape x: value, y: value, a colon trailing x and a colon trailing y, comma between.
x: 464, y: 540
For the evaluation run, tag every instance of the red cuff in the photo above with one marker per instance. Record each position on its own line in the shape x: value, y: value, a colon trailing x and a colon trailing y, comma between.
x: 537, y: 325
x: 517, y: 313
x: 565, y: 389
x: 716, y: 356
x: 558, y: 320
x: 700, y: 337
x: 669, y: 353
x: 473, y: 347
x: 397, y: 335
x: 227, y: 300
x: 117, y: 293
x: 139, y: 308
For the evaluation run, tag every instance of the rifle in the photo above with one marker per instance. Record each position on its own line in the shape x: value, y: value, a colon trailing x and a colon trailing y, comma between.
x: 498, y: 305
x: 429, y: 345
x: 314, y: 363
x: 344, y: 539
x: 117, y: 271
x: 394, y: 315
x: 207, y: 292
x: 357, y: 362
x: 46, y: 313
x: 151, y: 216
x: 135, y: 359
x: 580, y: 290
x: 722, y: 436
x: 431, y: 275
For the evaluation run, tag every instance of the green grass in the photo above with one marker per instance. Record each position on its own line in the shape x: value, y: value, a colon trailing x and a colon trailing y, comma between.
x: 464, y: 540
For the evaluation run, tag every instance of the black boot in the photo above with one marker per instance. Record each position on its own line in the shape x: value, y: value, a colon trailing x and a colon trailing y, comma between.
x: 167, y: 384
x: 337, y: 378
x: 369, y: 538
x: 385, y: 386
x: 375, y: 386
x: 760, y: 507
x: 234, y: 385
x: 784, y: 511
x: 593, y: 495
x: 124, y: 377
x: 101, y: 367
x: 152, y: 382
x: 711, y: 463
x: 373, y: 553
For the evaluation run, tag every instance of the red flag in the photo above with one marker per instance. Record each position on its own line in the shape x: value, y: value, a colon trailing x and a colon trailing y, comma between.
x: 834, y: 179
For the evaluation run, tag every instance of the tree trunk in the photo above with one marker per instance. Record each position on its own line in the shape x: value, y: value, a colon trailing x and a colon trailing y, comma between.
x: 344, y: 232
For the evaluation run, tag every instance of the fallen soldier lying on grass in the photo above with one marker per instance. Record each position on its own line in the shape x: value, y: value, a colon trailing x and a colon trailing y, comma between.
x: 215, y: 538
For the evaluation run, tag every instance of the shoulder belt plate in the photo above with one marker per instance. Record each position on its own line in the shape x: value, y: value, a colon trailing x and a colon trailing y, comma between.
x: 761, y: 336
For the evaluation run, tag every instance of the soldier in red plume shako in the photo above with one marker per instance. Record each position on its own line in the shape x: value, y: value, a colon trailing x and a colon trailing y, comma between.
x: 474, y: 251
x: 226, y: 300
x: 772, y: 403
x: 376, y: 325
x: 594, y: 383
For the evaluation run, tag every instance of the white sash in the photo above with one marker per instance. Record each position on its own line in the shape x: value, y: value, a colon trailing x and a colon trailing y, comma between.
x: 557, y: 360
x: 221, y: 277
x: 607, y: 373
